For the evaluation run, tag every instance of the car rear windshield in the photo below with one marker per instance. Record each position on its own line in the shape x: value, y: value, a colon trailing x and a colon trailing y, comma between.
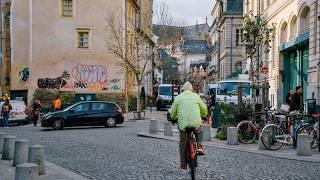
x: 165, y: 90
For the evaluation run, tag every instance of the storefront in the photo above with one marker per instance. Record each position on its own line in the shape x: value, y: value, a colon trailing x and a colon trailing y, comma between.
x: 295, y: 64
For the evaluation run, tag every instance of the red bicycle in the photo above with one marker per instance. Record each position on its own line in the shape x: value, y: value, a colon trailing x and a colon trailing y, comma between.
x: 192, y: 152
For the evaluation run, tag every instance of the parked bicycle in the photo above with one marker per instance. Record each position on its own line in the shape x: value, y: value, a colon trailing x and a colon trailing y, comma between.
x: 311, y: 128
x: 248, y: 130
x: 274, y: 135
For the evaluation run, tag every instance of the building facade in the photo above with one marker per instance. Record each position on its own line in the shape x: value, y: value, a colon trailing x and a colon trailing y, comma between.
x: 61, y: 45
x: 225, y: 34
x: 294, y: 55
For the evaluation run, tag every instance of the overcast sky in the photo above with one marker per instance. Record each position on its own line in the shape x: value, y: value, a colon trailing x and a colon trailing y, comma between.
x: 190, y: 10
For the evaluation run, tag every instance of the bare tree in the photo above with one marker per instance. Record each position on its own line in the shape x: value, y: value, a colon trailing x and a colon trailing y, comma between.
x: 134, y: 46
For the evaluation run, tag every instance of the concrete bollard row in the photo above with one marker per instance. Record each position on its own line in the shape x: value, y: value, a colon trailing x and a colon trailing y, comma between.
x: 20, y: 152
x: 2, y: 135
x: 27, y: 171
x: 153, y: 126
x: 168, y: 129
x: 232, y: 136
x: 8, y: 148
x: 36, y: 155
x: 303, y: 145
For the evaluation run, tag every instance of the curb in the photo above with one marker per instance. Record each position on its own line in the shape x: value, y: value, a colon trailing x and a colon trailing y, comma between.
x: 64, y: 171
x: 235, y: 148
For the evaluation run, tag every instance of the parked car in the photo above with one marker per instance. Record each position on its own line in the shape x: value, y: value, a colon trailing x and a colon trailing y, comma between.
x: 86, y: 113
x: 18, y: 113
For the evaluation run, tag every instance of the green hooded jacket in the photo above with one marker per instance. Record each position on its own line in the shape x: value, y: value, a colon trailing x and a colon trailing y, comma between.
x: 188, y: 108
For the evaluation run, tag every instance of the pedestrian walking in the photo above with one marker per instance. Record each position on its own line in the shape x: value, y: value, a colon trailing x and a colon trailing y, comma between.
x: 289, y: 97
x: 296, y: 100
x: 57, y: 104
x: 5, y: 112
x: 36, y: 111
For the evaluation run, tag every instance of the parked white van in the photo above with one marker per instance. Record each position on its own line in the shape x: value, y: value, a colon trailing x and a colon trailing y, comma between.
x: 18, y: 114
x: 227, y: 91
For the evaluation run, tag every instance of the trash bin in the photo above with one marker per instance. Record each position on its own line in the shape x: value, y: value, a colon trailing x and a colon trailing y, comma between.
x: 311, y: 106
x: 216, y: 114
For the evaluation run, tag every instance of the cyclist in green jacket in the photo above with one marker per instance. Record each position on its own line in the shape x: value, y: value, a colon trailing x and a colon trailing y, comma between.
x: 189, y: 109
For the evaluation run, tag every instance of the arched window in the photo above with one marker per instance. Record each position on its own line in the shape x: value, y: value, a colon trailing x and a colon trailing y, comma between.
x: 293, y: 27
x: 283, y: 32
x: 238, y: 67
x: 304, y: 20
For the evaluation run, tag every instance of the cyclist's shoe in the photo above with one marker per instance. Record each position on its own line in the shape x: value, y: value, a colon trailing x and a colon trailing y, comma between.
x: 183, y: 167
x: 200, y: 150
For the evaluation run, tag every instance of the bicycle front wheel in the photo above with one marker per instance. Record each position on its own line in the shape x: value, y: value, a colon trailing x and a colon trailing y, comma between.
x: 246, y: 132
x: 271, y: 137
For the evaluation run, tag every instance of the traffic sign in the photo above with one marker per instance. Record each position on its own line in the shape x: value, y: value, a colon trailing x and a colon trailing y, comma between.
x: 264, y: 70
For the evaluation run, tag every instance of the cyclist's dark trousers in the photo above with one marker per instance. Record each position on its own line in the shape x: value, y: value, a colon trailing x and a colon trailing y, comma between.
x: 183, y: 143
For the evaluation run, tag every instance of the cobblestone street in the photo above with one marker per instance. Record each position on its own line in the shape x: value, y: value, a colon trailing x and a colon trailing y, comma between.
x: 118, y: 153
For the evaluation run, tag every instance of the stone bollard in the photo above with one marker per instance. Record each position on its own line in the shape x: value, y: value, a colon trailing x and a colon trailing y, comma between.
x: 36, y: 155
x: 168, y: 129
x: 153, y: 126
x: 303, y: 145
x: 2, y: 135
x: 232, y: 136
x: 21, y: 150
x: 8, y: 147
x: 206, y: 133
x: 261, y: 145
x: 27, y: 171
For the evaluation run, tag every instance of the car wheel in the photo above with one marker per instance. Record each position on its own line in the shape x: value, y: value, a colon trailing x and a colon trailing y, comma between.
x: 111, y: 122
x: 57, y: 124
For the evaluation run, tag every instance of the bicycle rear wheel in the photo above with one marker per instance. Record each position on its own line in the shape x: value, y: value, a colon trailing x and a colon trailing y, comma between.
x: 312, y: 132
x: 192, y: 160
x: 246, y: 132
x: 271, y: 135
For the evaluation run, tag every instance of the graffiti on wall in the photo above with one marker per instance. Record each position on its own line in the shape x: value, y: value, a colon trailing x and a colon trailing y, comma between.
x: 24, y: 75
x: 86, y: 77
x: 54, y: 83
x: 20, y: 76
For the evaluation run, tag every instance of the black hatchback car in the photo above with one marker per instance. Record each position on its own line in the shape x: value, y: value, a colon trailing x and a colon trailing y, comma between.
x: 86, y: 113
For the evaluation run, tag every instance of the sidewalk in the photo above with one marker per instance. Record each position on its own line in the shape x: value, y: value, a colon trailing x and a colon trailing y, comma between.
x: 53, y: 172
x: 285, y: 152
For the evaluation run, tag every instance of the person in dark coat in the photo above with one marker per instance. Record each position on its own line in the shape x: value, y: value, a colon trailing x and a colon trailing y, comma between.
x: 296, y: 100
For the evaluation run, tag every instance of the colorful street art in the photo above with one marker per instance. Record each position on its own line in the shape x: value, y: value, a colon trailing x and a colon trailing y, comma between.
x: 24, y: 75
x: 20, y: 76
x: 86, y: 77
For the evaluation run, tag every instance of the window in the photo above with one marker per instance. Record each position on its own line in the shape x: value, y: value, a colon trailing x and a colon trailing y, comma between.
x: 67, y: 8
x: 83, y: 38
x: 238, y: 37
x: 81, y: 107
x: 112, y: 107
x: 238, y: 67
x: 98, y: 106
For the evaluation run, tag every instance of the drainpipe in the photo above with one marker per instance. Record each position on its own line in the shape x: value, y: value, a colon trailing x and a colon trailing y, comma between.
x: 318, y: 70
x: 231, y: 45
x: 218, y: 45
